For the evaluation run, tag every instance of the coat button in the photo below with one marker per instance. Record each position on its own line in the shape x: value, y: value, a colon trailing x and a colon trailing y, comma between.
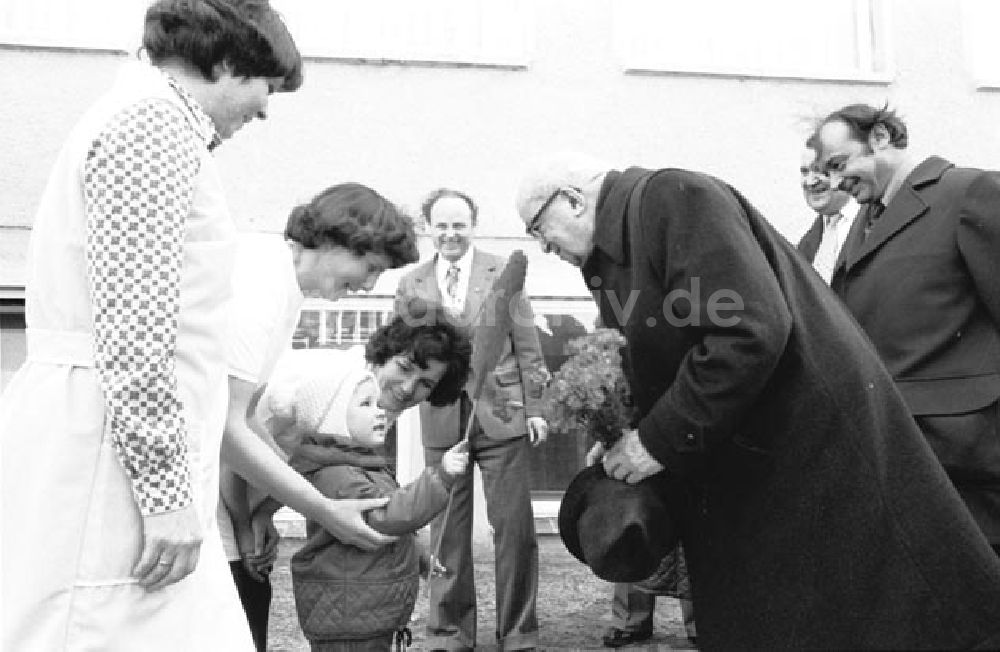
x: 690, y: 438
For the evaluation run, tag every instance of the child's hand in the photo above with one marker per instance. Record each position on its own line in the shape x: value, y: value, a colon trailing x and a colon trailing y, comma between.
x: 456, y: 459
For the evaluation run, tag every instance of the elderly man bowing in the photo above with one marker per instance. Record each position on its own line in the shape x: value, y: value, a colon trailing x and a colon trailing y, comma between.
x: 815, y: 514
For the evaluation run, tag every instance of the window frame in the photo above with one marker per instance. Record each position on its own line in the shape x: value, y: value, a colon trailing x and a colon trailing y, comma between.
x: 871, y: 27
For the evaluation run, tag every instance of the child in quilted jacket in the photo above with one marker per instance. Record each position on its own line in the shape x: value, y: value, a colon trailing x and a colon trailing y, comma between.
x: 348, y: 598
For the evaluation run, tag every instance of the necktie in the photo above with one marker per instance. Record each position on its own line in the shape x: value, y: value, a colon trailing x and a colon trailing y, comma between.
x: 451, y: 282
x: 873, y: 211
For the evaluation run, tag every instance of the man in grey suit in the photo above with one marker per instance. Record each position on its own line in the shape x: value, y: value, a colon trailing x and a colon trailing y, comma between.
x: 835, y: 213
x: 920, y: 274
x: 506, y: 423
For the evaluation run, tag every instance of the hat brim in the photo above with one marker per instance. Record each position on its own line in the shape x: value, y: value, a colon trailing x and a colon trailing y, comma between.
x: 629, y: 527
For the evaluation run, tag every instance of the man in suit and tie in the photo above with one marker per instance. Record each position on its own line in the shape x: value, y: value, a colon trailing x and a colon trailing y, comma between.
x: 921, y: 274
x: 835, y: 213
x: 460, y: 277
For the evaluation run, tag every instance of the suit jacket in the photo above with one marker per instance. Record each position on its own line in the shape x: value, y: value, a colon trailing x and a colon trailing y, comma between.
x: 925, y: 287
x: 809, y: 243
x: 816, y: 514
x: 514, y: 378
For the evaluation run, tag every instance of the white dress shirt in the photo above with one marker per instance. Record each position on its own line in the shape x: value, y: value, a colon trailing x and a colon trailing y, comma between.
x: 455, y: 304
x: 835, y: 230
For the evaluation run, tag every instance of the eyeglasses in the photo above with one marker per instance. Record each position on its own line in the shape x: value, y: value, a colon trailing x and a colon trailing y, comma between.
x: 533, y: 229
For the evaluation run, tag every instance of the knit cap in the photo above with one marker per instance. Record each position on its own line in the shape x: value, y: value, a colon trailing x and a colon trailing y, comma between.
x: 322, y: 399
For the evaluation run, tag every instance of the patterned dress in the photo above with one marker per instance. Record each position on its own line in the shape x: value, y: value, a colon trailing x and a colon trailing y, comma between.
x: 119, y: 409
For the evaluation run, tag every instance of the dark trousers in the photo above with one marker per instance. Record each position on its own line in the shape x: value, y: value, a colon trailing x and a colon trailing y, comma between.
x: 451, y: 619
x: 256, y: 599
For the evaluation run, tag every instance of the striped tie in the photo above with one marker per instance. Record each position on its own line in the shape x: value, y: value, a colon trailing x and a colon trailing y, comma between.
x: 451, y: 282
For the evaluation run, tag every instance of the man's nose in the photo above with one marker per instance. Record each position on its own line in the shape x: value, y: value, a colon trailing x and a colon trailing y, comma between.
x: 835, y: 179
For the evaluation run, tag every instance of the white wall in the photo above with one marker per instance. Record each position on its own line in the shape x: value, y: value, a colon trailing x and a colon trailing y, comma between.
x: 405, y: 129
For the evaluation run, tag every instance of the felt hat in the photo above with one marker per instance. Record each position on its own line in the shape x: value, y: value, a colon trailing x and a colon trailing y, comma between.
x: 621, y: 531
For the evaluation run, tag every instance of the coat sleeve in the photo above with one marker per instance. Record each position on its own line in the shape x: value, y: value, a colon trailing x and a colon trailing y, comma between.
x: 701, y: 237
x: 530, y: 362
x: 979, y: 239
x: 413, y: 506
x: 409, y: 508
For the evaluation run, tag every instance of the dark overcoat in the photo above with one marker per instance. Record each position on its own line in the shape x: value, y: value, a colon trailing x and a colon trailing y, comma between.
x: 815, y: 514
x: 925, y: 287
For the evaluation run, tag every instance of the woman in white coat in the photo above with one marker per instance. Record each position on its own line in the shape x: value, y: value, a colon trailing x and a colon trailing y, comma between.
x: 112, y: 430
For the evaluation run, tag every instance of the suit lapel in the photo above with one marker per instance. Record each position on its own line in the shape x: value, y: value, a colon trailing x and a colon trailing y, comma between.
x: 810, y: 241
x: 905, y: 207
x: 480, y: 283
x: 852, y: 243
x: 425, y: 281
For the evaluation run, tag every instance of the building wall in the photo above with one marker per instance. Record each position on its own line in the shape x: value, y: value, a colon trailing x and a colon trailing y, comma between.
x: 405, y: 129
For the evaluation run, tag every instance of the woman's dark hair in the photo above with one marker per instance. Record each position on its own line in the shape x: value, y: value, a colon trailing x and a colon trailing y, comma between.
x: 355, y: 217
x: 247, y: 35
x: 440, y: 193
x: 422, y: 334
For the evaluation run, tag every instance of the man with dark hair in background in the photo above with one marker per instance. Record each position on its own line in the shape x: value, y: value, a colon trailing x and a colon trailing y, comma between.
x: 921, y: 274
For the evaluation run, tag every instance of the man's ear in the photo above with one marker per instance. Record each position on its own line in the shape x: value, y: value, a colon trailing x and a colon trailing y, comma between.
x: 879, y: 137
x: 576, y: 199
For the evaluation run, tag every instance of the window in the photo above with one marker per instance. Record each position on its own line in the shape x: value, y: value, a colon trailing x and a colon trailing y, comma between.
x: 473, y: 32
x: 767, y: 38
x: 320, y: 327
x: 483, y: 32
x: 94, y: 24
x: 982, y: 48
x: 13, y: 345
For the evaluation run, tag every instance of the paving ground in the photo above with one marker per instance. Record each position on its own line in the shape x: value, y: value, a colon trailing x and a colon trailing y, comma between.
x: 573, y: 606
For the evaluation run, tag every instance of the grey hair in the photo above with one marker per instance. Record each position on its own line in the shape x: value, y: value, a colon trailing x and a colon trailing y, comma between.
x: 544, y: 174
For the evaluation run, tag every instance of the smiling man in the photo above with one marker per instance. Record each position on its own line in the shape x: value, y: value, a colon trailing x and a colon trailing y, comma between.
x: 922, y: 277
x: 835, y: 213
x: 460, y: 277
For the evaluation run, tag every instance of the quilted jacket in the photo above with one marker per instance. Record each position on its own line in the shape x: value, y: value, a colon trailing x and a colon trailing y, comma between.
x: 343, y: 592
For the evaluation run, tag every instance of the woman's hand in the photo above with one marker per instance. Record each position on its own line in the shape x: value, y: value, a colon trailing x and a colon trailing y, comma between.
x: 344, y: 519
x: 265, y: 546
x: 456, y: 459
x: 171, y: 544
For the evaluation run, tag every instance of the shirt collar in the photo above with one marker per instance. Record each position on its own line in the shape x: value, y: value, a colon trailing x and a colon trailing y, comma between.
x: 830, y: 221
x: 464, y: 263
x: 202, y: 123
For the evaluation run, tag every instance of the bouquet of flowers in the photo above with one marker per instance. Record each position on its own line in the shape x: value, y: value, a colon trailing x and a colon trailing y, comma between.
x: 589, y: 395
